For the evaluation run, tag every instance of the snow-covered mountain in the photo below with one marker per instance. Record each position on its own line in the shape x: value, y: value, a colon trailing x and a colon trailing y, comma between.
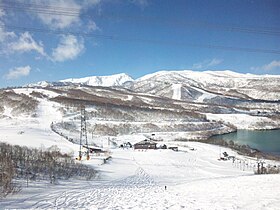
x: 44, y: 84
x: 170, y: 107
x: 195, y: 86
x: 198, y: 103
x: 105, y: 81
x: 187, y: 85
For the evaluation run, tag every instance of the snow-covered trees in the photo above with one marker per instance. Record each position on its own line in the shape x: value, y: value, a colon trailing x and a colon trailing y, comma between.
x: 33, y: 164
x: 7, y: 172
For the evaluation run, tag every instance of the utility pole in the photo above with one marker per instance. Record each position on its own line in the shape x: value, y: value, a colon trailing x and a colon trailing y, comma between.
x: 83, y: 133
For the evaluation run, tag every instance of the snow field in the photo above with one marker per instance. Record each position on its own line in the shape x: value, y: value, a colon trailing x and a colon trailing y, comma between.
x: 135, y: 179
x: 177, y: 91
x: 195, y: 179
x: 28, y: 91
x: 29, y: 133
x: 244, y: 121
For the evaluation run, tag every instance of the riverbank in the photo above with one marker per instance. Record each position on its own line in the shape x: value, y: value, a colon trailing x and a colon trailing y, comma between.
x: 242, y: 149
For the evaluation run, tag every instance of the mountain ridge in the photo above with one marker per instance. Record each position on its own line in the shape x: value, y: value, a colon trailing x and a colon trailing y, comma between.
x: 186, y: 104
x: 194, y: 85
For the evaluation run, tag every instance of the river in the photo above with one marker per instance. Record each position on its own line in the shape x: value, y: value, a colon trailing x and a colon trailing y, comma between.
x: 267, y: 141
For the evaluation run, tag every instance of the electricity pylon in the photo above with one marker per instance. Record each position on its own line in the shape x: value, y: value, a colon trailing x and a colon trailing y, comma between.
x: 83, y: 133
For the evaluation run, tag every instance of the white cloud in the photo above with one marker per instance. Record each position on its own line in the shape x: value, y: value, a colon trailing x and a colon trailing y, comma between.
x: 18, y: 72
x: 268, y: 67
x: 60, y: 21
x: 4, y: 35
x: 87, y: 3
x: 70, y: 11
x: 92, y: 26
x: 141, y: 3
x: 2, y: 12
x: 197, y: 66
x: 271, y: 66
x: 207, y: 63
x: 215, y: 62
x: 25, y: 43
x: 68, y: 49
x: 11, y: 43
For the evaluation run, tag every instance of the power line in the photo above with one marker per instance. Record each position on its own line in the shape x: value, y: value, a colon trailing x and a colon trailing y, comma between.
x: 42, y: 9
x: 72, y: 12
x: 55, y: 7
x: 148, y: 41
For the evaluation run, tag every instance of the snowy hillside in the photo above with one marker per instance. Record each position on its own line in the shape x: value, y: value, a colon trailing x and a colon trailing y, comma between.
x: 162, y: 102
x: 171, y: 107
x: 110, y: 113
x: 132, y: 179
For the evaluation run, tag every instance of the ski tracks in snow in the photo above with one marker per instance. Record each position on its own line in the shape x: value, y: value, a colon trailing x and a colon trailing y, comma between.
x: 136, y: 191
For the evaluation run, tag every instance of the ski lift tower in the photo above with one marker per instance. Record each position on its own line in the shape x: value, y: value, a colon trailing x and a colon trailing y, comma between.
x: 83, y: 133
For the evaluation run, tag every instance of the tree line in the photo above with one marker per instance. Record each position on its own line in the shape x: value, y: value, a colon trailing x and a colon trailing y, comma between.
x: 33, y: 164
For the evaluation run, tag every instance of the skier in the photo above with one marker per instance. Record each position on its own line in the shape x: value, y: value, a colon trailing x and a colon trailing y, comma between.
x: 165, y: 187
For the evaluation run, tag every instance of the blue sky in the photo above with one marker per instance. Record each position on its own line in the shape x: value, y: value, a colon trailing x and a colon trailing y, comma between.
x: 136, y: 37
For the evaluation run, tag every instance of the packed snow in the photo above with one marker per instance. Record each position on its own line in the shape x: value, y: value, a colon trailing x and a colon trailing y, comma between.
x: 136, y: 179
x: 192, y: 178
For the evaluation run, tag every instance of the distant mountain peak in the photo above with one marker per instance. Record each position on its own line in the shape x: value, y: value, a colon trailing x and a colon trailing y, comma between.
x: 106, y: 81
x: 186, y: 84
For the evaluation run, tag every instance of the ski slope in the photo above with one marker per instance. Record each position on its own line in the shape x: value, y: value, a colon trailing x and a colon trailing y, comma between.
x: 195, y: 179
x: 177, y: 95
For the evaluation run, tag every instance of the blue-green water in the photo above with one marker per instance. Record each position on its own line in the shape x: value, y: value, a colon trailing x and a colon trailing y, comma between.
x: 266, y: 141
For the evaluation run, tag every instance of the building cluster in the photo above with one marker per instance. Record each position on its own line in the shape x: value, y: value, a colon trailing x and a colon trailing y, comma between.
x: 150, y: 144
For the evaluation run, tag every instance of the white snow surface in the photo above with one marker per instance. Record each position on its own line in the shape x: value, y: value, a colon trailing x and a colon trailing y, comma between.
x: 136, y: 179
x: 205, y: 95
x: 195, y: 179
x: 7, y: 111
x: 28, y: 91
x: 106, y: 81
x: 243, y: 121
x: 255, y: 86
x: 205, y: 75
x: 34, y: 132
x: 177, y: 95
x: 31, y: 133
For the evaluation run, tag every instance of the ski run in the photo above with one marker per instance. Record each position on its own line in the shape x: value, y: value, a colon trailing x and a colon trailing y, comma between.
x: 136, y: 179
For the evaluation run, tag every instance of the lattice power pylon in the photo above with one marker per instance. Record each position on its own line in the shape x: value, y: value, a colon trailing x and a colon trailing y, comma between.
x: 83, y: 133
